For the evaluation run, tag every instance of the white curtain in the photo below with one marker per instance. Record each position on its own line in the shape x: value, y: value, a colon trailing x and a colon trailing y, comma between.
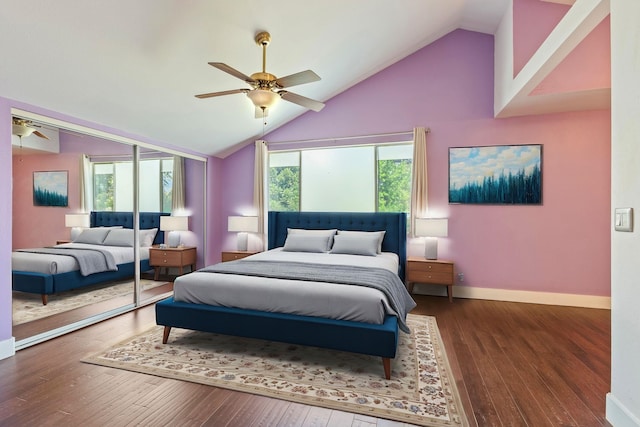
x: 419, y: 199
x: 86, y: 184
x: 259, y: 185
x: 178, y: 186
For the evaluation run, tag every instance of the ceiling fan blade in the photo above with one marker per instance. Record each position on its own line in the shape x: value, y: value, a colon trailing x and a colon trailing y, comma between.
x: 230, y: 70
x: 301, y: 100
x: 40, y: 134
x: 260, y: 114
x: 302, y: 77
x: 224, y: 92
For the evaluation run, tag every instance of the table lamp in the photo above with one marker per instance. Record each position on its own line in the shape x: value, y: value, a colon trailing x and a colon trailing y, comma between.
x: 243, y: 225
x: 172, y: 225
x: 76, y: 222
x: 431, y: 229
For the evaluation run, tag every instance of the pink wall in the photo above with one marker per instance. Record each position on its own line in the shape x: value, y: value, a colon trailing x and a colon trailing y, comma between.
x: 588, y: 65
x: 38, y: 226
x: 561, y: 246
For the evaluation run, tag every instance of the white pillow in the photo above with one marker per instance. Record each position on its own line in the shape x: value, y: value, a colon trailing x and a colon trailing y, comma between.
x: 379, y: 234
x: 355, y: 245
x: 119, y: 237
x: 147, y: 236
x: 306, y: 243
x: 304, y: 232
x: 92, y: 236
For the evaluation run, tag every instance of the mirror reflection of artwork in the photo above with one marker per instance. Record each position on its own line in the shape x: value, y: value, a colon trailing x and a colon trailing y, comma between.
x: 499, y: 174
x: 50, y: 188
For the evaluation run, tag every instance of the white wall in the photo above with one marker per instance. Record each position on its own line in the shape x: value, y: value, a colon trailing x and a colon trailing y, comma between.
x: 623, y: 402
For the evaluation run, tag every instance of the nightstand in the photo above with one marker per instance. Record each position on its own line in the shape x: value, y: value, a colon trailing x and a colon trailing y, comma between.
x: 430, y: 271
x: 233, y: 255
x: 172, y: 257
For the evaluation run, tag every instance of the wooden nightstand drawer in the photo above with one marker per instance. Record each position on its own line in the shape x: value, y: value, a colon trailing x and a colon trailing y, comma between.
x: 163, y: 257
x: 172, y: 257
x: 436, y: 272
x: 430, y: 268
x: 428, y: 277
x: 234, y: 255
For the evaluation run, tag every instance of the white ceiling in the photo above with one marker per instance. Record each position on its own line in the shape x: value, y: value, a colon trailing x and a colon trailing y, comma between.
x: 136, y: 65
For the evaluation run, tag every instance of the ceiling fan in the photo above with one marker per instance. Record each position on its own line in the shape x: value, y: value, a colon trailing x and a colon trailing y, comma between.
x: 266, y: 89
x: 24, y: 128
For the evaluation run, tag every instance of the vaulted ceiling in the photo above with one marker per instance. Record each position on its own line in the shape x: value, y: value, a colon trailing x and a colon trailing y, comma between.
x: 136, y: 65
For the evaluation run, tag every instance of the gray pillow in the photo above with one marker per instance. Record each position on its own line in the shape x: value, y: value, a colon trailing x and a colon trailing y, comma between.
x: 355, y: 245
x: 119, y: 237
x: 93, y: 236
x: 306, y: 243
x: 325, y: 233
x: 380, y: 235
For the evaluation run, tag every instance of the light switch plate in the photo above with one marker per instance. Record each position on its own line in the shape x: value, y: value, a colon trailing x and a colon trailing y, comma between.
x: 623, y: 219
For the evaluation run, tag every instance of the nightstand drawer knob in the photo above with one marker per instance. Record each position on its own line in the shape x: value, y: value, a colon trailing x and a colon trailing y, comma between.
x: 164, y: 260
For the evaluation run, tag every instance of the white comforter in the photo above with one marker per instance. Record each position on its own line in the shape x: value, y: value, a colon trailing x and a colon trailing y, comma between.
x: 54, y: 264
x: 331, y: 300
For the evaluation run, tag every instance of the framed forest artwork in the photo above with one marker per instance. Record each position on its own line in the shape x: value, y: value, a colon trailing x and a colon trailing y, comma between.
x: 50, y: 188
x: 497, y: 174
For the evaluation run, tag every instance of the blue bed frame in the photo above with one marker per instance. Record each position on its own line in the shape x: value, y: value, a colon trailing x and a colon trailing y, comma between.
x: 48, y: 284
x: 357, y: 337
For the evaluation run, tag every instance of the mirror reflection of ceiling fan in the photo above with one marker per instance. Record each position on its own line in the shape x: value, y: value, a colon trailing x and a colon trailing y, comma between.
x: 24, y: 128
x: 267, y: 89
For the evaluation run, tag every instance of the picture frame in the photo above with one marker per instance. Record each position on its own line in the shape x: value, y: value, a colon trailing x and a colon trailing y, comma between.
x: 51, y: 188
x: 496, y: 174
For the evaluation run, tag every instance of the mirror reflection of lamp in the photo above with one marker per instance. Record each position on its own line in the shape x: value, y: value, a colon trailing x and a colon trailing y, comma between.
x: 243, y: 225
x: 77, y: 222
x: 431, y: 229
x: 172, y: 226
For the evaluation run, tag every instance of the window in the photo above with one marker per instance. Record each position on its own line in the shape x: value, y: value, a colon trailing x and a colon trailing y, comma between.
x: 113, y: 188
x: 353, y: 179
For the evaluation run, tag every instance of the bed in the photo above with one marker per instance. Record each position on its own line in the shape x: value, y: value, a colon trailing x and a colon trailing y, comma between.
x: 44, y: 274
x: 376, y: 339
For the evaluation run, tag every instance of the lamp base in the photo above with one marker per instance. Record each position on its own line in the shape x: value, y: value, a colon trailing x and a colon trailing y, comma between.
x: 431, y: 248
x: 243, y: 239
x: 173, y: 239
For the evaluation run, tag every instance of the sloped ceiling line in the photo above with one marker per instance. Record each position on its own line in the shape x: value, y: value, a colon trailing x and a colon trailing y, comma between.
x: 512, y: 95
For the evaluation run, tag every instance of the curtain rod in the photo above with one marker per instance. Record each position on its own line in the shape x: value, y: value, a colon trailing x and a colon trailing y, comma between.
x: 343, y: 138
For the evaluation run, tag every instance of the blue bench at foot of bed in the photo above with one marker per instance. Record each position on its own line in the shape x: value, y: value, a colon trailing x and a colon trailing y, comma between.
x: 356, y: 337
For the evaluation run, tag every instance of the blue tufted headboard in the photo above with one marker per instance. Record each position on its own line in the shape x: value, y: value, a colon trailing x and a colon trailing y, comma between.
x: 125, y: 219
x: 395, y: 225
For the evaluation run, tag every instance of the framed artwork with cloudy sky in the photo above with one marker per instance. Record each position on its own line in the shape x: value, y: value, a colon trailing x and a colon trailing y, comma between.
x: 496, y: 174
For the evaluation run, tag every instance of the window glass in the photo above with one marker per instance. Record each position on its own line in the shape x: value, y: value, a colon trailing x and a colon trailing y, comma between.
x: 394, y: 177
x: 338, y: 179
x: 354, y: 179
x: 113, y: 188
x: 284, y: 181
x: 103, y: 186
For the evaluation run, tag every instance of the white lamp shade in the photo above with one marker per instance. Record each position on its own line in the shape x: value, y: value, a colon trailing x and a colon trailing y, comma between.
x: 174, y: 223
x: 243, y: 223
x: 432, y: 227
x: 263, y: 98
x: 76, y: 220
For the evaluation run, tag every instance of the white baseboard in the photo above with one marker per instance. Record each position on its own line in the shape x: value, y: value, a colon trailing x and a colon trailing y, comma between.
x: 7, y: 348
x: 618, y: 415
x: 548, y: 298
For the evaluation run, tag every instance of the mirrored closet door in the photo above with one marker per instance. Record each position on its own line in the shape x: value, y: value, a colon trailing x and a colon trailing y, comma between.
x: 74, y: 189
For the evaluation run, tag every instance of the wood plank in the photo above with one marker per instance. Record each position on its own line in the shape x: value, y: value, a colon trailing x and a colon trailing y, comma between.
x: 509, y: 360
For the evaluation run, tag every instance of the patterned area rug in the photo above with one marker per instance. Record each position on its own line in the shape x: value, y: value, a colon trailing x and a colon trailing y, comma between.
x: 421, y: 391
x: 28, y: 307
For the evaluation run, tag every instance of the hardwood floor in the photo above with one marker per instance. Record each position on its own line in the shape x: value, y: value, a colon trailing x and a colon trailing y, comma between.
x: 515, y: 364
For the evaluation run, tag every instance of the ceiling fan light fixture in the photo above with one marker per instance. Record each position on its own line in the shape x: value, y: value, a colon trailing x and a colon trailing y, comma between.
x: 262, y: 98
x: 21, y: 130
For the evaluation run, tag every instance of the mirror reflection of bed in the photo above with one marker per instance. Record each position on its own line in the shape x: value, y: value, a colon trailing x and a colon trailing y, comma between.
x: 44, y: 226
